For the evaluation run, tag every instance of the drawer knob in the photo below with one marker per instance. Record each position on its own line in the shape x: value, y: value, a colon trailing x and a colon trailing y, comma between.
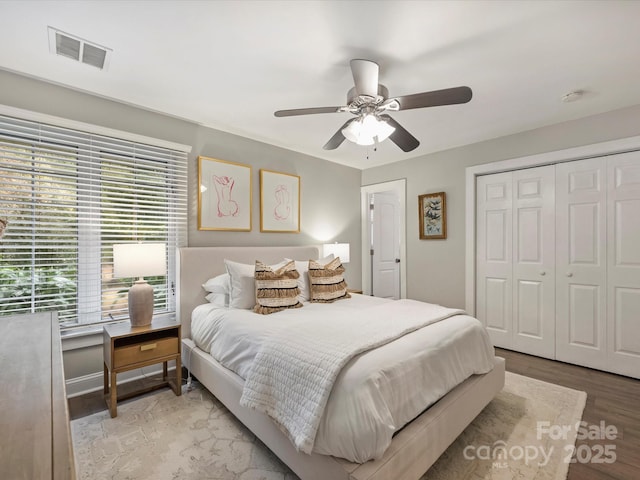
x: 148, y: 346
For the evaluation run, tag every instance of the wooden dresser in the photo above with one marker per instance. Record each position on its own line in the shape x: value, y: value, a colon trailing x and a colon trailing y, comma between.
x: 36, y: 437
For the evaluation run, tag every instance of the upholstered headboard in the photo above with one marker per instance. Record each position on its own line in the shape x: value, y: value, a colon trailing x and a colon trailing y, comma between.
x: 198, y: 264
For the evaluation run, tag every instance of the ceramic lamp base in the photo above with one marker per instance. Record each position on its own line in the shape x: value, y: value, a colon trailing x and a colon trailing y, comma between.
x: 140, y: 304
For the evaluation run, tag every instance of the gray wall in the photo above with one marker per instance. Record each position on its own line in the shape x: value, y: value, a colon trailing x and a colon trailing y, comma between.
x: 436, y: 268
x: 330, y: 193
x: 330, y: 196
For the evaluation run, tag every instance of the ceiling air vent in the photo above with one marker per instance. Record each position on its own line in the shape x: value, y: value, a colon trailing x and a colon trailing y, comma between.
x: 76, y: 48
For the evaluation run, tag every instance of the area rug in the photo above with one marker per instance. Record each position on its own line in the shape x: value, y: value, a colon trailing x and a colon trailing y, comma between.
x: 194, y: 437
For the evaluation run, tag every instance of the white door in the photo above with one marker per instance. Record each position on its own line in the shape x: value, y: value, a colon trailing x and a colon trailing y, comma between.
x: 558, y: 261
x: 623, y: 266
x: 494, y: 271
x: 534, y: 261
x: 515, y: 269
x: 581, y: 262
x: 385, y: 245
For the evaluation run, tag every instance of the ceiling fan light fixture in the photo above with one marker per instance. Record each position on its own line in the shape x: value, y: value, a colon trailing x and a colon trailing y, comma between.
x: 353, y: 131
x: 367, y: 129
x: 368, y: 100
x: 378, y: 128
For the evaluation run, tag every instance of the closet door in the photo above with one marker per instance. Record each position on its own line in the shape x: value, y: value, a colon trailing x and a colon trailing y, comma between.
x: 494, y: 256
x: 534, y: 261
x: 581, y: 262
x: 623, y: 271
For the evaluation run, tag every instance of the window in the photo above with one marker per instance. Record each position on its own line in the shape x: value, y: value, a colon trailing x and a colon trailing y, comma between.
x: 68, y: 196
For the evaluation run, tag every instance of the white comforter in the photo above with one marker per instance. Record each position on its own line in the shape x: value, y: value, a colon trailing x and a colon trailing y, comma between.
x: 378, y: 391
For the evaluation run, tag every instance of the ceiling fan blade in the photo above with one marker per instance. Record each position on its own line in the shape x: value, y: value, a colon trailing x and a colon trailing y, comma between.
x: 365, y: 77
x: 307, y: 111
x: 337, y: 139
x: 448, y: 96
x: 400, y: 136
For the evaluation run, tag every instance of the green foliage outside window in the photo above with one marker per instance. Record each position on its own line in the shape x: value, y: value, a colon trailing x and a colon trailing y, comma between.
x: 49, y: 218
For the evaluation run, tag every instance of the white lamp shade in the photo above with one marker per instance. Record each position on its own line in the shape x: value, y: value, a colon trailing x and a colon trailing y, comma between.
x: 139, y: 260
x: 354, y: 132
x: 338, y: 249
x: 367, y: 129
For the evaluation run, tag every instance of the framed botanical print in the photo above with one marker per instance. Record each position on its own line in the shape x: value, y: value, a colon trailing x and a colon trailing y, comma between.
x: 279, y: 202
x: 224, y: 195
x: 432, y: 208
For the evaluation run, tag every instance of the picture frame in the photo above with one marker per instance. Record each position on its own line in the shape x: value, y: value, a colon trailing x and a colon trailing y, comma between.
x: 279, y: 202
x: 432, y: 208
x: 224, y: 195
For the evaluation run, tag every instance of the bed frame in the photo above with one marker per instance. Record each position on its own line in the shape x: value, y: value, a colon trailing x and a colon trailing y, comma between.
x: 413, y: 450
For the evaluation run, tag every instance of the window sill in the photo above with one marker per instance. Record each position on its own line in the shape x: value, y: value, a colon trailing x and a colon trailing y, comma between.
x: 81, y: 337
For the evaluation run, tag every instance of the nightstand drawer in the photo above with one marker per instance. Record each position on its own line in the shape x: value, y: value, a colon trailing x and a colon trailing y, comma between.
x: 124, y: 356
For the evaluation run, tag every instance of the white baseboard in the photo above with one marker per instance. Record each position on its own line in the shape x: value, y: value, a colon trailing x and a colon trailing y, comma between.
x: 95, y: 381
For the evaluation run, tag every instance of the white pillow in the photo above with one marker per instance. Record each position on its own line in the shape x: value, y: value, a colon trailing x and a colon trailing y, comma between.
x: 304, y: 285
x: 219, y: 299
x: 243, y: 284
x: 220, y: 284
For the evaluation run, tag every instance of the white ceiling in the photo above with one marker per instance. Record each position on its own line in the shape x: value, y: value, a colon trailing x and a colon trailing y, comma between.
x: 230, y: 64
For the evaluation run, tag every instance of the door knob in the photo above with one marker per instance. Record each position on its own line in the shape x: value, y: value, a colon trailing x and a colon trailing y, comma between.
x: 543, y: 273
x: 569, y: 274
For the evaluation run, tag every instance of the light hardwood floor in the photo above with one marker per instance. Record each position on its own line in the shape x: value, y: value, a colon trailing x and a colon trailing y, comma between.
x: 610, y: 398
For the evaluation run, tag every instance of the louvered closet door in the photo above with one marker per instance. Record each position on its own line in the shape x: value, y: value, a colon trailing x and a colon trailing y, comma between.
x: 534, y: 261
x: 581, y: 262
x: 623, y: 272
x: 494, y: 256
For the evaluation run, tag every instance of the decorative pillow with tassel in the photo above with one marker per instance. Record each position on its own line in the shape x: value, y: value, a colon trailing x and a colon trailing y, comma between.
x: 277, y: 289
x: 327, y: 281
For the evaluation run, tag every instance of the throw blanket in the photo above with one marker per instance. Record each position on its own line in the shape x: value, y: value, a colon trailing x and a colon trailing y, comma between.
x: 293, y: 373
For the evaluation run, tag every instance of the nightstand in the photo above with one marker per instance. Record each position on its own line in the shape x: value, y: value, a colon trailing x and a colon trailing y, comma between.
x: 128, y: 348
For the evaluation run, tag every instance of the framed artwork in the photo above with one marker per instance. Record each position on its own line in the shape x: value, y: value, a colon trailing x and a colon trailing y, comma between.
x: 279, y: 202
x: 224, y: 195
x: 432, y: 208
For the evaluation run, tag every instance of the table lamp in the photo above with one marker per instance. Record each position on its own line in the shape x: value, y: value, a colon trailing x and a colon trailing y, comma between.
x: 338, y: 249
x: 139, y: 260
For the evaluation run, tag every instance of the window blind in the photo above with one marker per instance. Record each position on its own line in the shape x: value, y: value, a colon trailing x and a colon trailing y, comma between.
x: 67, y: 197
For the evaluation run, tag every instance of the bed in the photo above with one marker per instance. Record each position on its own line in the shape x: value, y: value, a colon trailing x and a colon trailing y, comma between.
x: 412, y: 450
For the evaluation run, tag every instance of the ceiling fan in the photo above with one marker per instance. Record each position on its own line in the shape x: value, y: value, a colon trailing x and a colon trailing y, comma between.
x: 369, y: 101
